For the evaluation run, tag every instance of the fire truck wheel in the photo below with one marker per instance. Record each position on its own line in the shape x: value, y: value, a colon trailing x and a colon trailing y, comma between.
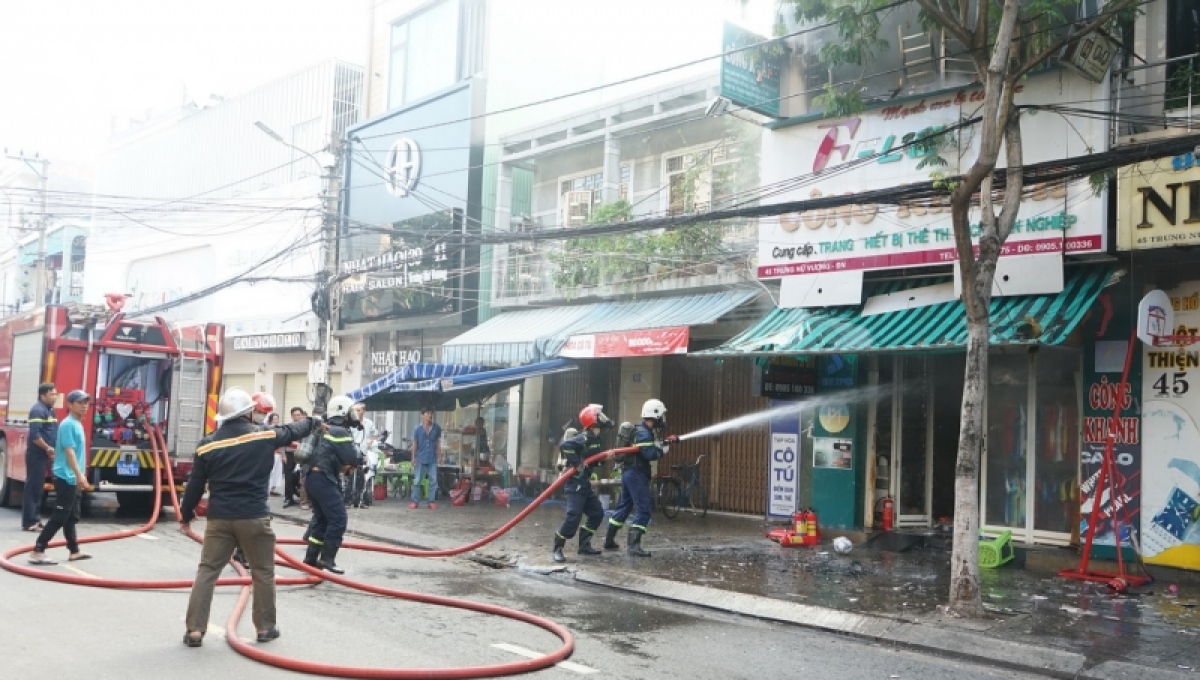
x: 6, y: 484
x: 133, y: 502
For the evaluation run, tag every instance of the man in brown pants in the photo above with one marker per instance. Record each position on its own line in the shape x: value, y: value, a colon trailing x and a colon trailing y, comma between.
x: 235, y: 464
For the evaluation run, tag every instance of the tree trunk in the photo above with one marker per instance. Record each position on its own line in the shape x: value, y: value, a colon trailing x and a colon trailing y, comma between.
x: 965, y: 599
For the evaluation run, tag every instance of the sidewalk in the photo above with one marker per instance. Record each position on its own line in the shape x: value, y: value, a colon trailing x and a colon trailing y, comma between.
x: 886, y: 590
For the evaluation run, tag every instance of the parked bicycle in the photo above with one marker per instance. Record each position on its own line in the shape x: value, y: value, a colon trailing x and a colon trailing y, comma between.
x: 681, y: 489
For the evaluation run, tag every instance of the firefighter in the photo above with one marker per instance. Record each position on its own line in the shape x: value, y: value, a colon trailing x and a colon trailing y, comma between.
x: 235, y: 463
x: 336, y: 454
x: 650, y: 440
x: 581, y: 498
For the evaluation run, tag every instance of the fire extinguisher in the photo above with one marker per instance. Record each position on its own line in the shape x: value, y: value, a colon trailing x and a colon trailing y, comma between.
x: 889, y: 513
x: 798, y: 522
x: 810, y: 521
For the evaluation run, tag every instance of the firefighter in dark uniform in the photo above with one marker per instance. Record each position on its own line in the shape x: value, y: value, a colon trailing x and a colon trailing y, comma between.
x: 581, y: 498
x: 650, y: 440
x: 235, y: 464
x: 336, y: 454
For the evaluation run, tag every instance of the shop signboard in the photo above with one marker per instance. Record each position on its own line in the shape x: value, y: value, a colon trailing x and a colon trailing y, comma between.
x: 408, y: 210
x: 640, y: 343
x: 1158, y: 203
x: 789, y: 378
x: 750, y: 77
x: 1104, y: 362
x: 868, y: 151
x: 783, y: 469
x: 270, y: 342
x: 1170, y: 478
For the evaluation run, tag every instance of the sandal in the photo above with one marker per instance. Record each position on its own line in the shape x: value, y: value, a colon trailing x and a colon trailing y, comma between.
x: 79, y: 556
x: 42, y: 562
x: 34, y: 527
x: 193, y: 639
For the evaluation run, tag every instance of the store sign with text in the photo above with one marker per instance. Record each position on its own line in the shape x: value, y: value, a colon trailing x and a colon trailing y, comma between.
x: 1053, y: 217
x: 270, y: 342
x: 1170, y: 478
x: 1158, y: 203
x: 641, y: 343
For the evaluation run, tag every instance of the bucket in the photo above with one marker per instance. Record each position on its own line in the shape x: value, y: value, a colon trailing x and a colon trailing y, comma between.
x: 380, y: 492
x: 477, y: 494
x: 501, y: 498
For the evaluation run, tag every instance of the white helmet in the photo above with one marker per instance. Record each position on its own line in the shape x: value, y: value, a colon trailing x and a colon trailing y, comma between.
x: 339, y: 407
x: 654, y: 408
x: 235, y: 402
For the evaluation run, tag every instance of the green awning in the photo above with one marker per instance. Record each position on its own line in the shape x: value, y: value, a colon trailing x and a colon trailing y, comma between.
x: 1017, y: 320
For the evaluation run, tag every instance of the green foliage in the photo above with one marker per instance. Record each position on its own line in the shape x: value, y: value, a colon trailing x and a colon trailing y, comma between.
x: 1098, y: 181
x: 1183, y: 84
x: 838, y: 104
x: 857, y: 23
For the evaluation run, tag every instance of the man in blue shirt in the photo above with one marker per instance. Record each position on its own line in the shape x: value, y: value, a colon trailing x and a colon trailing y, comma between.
x: 427, y: 455
x: 70, y: 459
x: 43, y: 427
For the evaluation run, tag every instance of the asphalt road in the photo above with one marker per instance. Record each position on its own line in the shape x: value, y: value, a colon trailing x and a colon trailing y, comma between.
x: 52, y: 630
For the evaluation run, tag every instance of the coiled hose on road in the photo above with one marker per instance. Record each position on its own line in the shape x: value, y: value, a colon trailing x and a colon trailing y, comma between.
x: 314, y: 576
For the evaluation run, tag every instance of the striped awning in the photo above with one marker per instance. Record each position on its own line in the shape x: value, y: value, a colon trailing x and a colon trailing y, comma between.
x: 1017, y: 320
x: 528, y: 335
x: 457, y: 385
x: 409, y: 374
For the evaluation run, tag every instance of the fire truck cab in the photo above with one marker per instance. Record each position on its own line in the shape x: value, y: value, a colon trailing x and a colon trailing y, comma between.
x: 142, y: 374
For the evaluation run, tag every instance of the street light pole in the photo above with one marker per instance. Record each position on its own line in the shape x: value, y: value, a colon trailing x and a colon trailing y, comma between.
x: 43, y: 224
x: 331, y: 194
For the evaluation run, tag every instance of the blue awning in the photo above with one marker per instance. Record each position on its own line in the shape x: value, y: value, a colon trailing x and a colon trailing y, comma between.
x: 528, y: 335
x: 411, y: 374
x: 454, y: 385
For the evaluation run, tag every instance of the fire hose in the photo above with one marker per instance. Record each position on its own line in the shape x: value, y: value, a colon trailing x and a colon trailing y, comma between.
x: 315, y: 576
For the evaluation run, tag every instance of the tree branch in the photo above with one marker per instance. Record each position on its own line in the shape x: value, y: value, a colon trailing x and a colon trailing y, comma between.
x: 1014, y: 183
x: 1056, y: 46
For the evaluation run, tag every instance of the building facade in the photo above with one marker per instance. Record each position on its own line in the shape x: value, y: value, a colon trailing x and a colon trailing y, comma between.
x: 221, y: 222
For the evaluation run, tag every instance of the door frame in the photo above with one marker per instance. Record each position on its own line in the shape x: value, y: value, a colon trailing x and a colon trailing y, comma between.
x: 898, y: 379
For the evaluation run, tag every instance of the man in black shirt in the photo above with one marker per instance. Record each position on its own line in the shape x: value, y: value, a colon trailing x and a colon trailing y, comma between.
x: 235, y: 463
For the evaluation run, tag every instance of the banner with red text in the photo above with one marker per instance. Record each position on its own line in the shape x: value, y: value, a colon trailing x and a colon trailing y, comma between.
x: 640, y: 343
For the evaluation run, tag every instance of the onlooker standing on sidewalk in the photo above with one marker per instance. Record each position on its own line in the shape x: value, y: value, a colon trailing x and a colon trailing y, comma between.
x: 43, y: 427
x: 235, y: 463
x: 482, y: 451
x: 427, y: 455
x: 69, y: 482
x: 293, y: 480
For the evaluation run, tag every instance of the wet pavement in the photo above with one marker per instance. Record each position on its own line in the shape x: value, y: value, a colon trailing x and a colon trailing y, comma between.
x: 903, y: 578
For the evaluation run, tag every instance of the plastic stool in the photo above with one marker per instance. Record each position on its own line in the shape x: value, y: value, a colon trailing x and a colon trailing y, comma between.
x: 997, y: 551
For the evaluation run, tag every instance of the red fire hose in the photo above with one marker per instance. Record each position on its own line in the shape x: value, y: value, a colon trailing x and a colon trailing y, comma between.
x: 158, y: 444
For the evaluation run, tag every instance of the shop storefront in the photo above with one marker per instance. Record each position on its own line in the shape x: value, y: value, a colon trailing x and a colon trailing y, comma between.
x: 887, y: 395
x: 413, y: 192
x: 1158, y: 222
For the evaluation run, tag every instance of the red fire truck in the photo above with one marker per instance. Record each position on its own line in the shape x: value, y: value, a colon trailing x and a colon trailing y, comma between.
x: 141, y: 373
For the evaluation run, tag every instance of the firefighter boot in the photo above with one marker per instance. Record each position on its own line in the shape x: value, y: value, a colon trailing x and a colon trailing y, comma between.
x: 310, y: 557
x: 559, y: 542
x: 326, y: 561
x: 585, y: 543
x: 610, y: 538
x: 635, y: 543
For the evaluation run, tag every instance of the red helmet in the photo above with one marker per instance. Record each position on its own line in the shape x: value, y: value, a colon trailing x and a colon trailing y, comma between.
x: 263, y: 402
x: 592, y: 415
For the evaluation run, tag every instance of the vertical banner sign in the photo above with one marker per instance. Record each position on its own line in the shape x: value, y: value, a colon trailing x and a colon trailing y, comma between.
x: 1102, y: 393
x: 750, y: 77
x: 1171, y: 453
x: 783, y: 468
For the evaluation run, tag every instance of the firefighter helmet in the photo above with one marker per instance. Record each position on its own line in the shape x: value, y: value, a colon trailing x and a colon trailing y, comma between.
x: 339, y: 407
x: 653, y: 408
x: 234, y: 403
x: 592, y: 415
x: 263, y: 402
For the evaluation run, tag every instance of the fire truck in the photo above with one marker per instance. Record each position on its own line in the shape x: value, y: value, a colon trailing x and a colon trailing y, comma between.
x: 143, y: 375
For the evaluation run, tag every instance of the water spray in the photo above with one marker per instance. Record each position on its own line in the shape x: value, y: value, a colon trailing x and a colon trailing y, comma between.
x: 760, y: 418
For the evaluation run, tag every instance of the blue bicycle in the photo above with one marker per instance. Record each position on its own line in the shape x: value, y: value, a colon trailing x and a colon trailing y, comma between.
x: 682, y: 489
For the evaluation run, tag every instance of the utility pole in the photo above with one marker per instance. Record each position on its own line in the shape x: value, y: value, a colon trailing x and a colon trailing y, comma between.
x: 329, y: 161
x: 330, y: 219
x: 43, y: 224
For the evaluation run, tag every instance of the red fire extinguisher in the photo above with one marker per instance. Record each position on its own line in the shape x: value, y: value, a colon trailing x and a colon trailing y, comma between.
x: 889, y: 513
x: 810, y: 521
x: 798, y: 523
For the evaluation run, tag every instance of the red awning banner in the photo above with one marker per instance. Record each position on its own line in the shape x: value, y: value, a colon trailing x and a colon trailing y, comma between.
x: 642, y: 343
